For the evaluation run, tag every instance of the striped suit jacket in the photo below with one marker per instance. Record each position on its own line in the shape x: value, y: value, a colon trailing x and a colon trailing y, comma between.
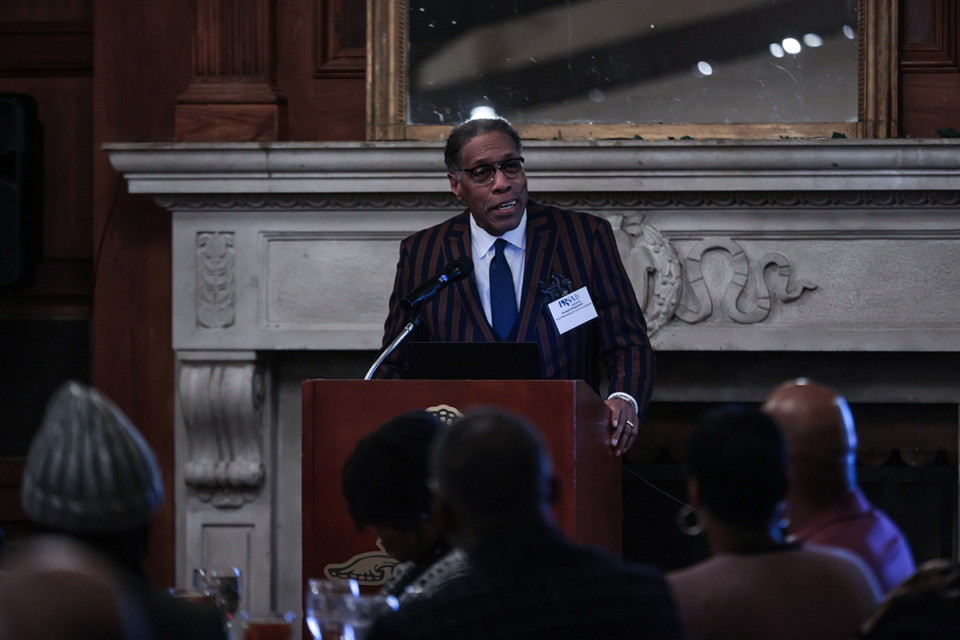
x: 574, y: 245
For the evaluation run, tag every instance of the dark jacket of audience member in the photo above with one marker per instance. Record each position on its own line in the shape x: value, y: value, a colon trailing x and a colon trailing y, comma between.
x: 494, y: 483
x: 754, y: 585
x: 91, y: 476
x: 925, y: 606
x: 384, y: 482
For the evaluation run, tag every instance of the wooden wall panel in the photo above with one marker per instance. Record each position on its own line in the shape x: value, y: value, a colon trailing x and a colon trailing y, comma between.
x: 321, y: 73
x: 142, y: 56
x: 33, y: 10
x: 46, y: 52
x: 930, y: 102
x: 929, y: 67
x: 52, y: 61
x: 63, y: 284
x: 340, y: 39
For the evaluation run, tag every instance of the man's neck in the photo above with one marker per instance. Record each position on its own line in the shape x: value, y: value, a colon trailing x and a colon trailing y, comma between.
x: 726, y: 538
x: 802, y: 511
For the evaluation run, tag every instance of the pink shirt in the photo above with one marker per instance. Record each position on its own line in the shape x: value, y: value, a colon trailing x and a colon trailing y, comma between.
x: 856, y: 525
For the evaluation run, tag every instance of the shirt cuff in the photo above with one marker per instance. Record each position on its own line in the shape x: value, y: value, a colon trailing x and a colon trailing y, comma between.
x: 625, y: 396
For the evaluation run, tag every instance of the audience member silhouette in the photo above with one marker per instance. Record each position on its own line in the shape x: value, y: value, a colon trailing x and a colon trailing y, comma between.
x: 825, y: 504
x: 385, y: 485
x: 926, y: 605
x: 494, y: 486
x: 755, y: 585
x: 55, y: 589
x: 90, y: 476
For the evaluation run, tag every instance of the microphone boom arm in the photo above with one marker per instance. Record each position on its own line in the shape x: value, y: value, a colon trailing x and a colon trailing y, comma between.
x: 393, y: 345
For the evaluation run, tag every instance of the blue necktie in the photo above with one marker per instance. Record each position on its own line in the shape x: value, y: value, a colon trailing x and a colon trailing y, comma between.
x: 503, y: 299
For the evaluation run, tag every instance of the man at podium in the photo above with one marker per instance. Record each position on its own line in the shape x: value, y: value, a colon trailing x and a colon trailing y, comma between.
x: 520, y: 271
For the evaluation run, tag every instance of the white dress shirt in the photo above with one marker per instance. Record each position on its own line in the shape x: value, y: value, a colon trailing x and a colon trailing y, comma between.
x: 482, y: 247
x: 481, y: 244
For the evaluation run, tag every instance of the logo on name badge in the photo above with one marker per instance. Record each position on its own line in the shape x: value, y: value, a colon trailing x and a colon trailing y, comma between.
x: 572, y: 310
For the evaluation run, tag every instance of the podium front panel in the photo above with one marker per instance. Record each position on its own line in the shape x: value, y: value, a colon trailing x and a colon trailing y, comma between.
x: 337, y: 413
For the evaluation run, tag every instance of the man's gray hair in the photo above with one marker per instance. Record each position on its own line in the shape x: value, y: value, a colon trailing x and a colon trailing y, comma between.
x: 469, y: 130
x: 489, y: 464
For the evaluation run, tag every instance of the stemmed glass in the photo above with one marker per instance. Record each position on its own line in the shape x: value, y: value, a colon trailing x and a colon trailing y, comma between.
x: 225, y: 584
x: 336, y: 610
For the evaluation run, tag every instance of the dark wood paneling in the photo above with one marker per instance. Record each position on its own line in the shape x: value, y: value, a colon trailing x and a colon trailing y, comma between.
x: 38, y: 10
x: 46, y: 51
x: 318, y: 108
x: 930, y: 67
x: 930, y: 101
x: 52, y: 62
x: 340, y: 40
x: 929, y: 36
x: 142, y: 56
x: 46, y: 48
x: 65, y: 108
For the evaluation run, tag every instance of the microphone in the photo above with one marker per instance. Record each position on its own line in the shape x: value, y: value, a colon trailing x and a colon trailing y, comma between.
x: 454, y: 271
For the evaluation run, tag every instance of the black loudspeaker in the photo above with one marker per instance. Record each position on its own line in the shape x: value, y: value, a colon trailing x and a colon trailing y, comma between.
x: 21, y: 191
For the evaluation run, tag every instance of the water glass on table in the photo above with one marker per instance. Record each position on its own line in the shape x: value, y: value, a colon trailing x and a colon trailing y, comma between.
x: 273, y: 626
x: 226, y: 586
x: 336, y: 610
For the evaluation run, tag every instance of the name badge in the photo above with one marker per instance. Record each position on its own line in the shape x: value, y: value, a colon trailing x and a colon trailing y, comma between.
x: 571, y: 311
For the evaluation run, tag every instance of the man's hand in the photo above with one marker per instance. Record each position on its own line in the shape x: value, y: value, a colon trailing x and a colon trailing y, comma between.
x: 624, y: 423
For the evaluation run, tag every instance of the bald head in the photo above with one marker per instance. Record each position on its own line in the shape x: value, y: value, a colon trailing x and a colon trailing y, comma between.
x: 491, y: 470
x: 821, y: 440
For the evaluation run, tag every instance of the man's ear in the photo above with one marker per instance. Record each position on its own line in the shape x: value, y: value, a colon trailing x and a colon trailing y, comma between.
x: 454, y: 186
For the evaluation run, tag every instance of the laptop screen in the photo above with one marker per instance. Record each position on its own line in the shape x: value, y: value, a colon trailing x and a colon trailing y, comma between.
x: 474, y: 360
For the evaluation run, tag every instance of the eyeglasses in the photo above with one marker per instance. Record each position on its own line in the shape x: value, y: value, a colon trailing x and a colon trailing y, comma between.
x: 484, y: 174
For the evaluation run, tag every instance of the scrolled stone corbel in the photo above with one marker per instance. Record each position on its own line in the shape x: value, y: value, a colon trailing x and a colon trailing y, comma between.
x: 220, y: 404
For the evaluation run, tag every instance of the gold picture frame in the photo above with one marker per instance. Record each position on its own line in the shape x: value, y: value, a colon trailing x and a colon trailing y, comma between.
x: 876, y: 103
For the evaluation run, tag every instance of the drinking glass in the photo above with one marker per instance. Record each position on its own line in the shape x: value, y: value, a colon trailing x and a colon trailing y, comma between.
x: 336, y: 610
x: 273, y: 626
x: 225, y: 584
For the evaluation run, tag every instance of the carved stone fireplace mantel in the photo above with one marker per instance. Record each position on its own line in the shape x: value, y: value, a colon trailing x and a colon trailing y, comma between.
x: 733, y: 246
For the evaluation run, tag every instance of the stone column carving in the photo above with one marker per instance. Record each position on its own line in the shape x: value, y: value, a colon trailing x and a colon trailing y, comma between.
x: 653, y: 267
x: 665, y: 289
x: 216, y: 280
x: 220, y: 403
x: 232, y: 97
x: 746, y: 281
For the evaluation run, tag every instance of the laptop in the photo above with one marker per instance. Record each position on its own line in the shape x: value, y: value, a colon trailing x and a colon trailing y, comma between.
x: 474, y: 360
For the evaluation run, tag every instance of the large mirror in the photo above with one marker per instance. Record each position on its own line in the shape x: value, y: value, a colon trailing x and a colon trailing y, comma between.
x: 575, y: 69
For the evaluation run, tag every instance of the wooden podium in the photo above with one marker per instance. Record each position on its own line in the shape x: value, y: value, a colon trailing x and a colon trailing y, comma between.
x: 337, y: 413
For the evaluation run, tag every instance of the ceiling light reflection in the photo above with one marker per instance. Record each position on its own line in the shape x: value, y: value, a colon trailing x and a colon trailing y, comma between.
x: 776, y: 50
x: 792, y: 45
x: 483, y: 112
x: 812, y: 40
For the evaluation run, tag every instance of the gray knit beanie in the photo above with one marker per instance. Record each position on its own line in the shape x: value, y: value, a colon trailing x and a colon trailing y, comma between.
x: 89, y: 471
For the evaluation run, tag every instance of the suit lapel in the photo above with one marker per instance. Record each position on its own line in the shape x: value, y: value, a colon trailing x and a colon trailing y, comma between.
x: 541, y: 245
x: 457, y: 245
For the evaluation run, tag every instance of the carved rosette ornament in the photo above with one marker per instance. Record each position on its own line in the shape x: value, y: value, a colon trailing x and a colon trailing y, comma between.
x: 216, y: 287
x: 220, y: 404
x: 653, y: 266
x: 665, y: 290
